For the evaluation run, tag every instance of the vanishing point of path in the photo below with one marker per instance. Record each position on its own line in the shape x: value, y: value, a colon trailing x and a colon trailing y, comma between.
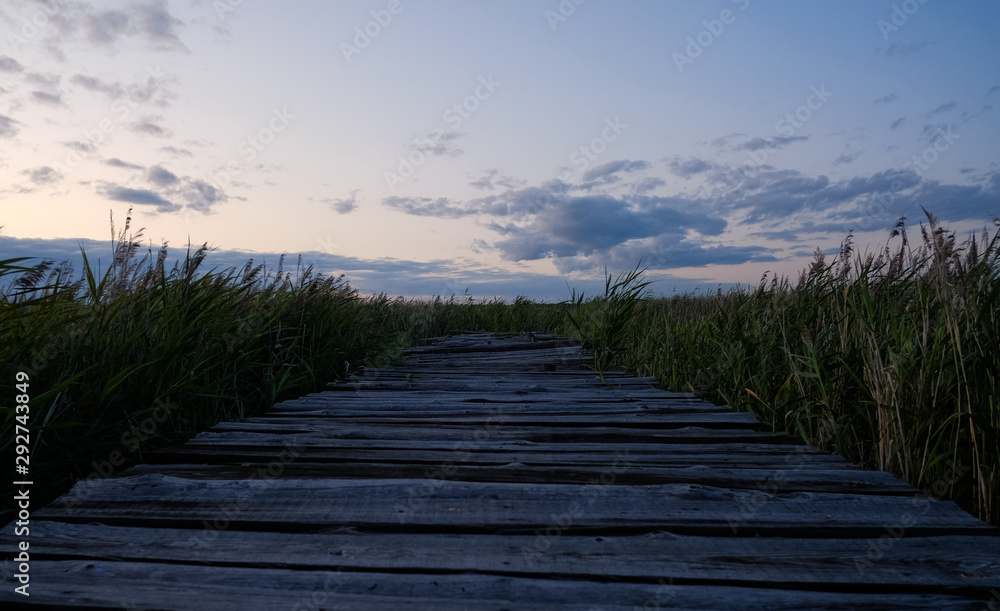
x: 493, y: 472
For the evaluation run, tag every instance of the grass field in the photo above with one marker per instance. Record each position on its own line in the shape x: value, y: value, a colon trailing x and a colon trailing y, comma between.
x: 890, y: 359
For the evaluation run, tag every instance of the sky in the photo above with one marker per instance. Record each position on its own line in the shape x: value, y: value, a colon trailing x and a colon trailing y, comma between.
x: 497, y: 148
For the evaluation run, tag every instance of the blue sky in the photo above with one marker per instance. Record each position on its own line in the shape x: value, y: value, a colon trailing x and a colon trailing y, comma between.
x: 508, y: 148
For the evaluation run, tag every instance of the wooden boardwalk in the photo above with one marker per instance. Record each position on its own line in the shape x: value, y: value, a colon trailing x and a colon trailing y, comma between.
x: 498, y: 473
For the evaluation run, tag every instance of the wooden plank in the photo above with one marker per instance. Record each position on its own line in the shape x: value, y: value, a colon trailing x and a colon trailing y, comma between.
x: 409, y: 453
x: 770, y: 480
x: 98, y: 583
x: 642, y: 419
x: 475, y: 434
x: 966, y: 562
x: 505, y: 507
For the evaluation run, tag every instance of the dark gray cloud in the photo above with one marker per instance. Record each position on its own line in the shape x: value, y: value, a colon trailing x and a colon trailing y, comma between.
x: 143, y: 197
x: 898, y: 122
x: 118, y: 163
x: 158, y: 175
x: 887, y: 99
x: 584, y: 226
x: 50, y: 99
x: 8, y: 127
x: 9, y: 64
x: 43, y: 175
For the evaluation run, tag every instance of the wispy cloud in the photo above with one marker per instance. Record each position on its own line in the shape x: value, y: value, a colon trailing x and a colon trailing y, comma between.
x: 8, y: 127
x: 43, y: 175
x: 118, y: 163
x: 9, y: 64
x: 887, y: 99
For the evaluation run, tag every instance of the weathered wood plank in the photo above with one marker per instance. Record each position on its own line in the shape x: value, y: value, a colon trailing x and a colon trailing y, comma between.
x: 770, y: 480
x: 98, y: 583
x: 476, y: 434
x: 450, y: 506
x: 955, y: 562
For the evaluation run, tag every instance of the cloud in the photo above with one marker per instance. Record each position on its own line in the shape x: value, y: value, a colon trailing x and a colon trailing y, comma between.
x: 898, y: 122
x: 118, y: 163
x: 201, y: 196
x: 947, y: 107
x: 690, y: 167
x: 756, y: 144
x: 607, y: 170
x: 592, y: 225
x: 346, y: 204
x: 439, y: 143
x: 143, y: 197
x: 648, y: 184
x: 493, y: 179
x: 161, y: 176
x: 150, y: 21
x: 9, y: 64
x: 8, y: 127
x: 902, y: 50
x: 886, y: 99
x: 50, y: 99
x: 847, y: 158
x: 441, y: 207
x: 90, y: 83
x: 148, y: 127
x: 79, y: 146
x: 44, y: 80
x: 43, y: 175
x: 176, y: 152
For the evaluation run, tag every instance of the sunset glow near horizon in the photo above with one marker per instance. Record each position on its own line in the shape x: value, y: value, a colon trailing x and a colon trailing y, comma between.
x: 497, y: 148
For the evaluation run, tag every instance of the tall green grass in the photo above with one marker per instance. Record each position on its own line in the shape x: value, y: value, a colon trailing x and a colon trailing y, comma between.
x: 891, y: 359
